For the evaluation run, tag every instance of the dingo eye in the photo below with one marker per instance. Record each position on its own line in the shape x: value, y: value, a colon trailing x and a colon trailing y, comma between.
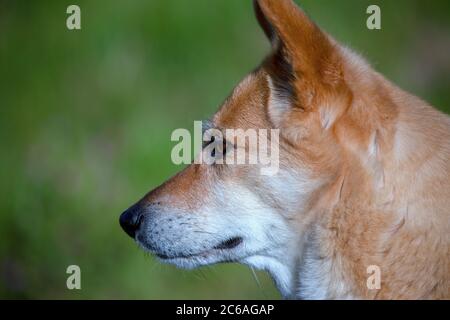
x: 217, y: 148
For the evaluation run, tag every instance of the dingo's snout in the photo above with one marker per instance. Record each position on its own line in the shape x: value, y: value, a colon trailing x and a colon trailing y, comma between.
x: 131, y: 219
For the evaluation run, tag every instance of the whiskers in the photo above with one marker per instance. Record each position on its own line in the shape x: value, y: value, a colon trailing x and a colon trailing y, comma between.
x: 258, y: 283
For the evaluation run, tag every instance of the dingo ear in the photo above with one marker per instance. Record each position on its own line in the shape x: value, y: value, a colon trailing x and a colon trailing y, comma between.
x: 305, y: 64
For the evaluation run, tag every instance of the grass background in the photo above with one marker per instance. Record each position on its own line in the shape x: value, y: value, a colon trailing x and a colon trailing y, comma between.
x: 86, y: 118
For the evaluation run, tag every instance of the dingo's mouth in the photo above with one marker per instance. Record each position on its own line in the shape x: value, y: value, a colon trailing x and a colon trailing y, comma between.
x: 228, y: 244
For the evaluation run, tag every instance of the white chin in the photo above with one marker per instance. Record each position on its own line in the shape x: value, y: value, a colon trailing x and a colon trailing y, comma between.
x: 191, y: 262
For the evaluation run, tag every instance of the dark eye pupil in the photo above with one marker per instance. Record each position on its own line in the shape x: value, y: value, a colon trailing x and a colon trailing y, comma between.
x: 221, y: 149
x: 213, y: 152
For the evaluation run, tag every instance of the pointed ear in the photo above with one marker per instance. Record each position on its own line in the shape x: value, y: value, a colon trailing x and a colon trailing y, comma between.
x: 303, y: 55
x: 265, y: 24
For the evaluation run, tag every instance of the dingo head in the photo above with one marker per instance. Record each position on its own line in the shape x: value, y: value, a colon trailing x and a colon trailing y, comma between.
x: 232, y: 213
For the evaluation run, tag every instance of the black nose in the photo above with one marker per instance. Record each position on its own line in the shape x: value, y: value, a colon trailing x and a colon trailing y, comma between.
x: 131, y: 219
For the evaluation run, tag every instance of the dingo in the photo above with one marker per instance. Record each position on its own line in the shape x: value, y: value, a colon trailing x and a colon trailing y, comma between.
x: 363, y: 179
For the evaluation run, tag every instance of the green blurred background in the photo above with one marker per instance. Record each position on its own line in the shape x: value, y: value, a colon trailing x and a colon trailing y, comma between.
x: 86, y: 118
